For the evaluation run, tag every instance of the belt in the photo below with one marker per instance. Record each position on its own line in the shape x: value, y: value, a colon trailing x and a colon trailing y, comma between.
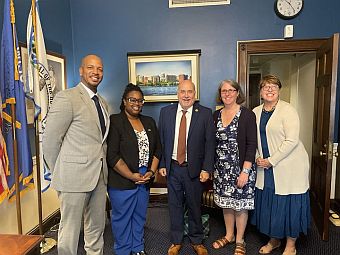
x: 184, y: 164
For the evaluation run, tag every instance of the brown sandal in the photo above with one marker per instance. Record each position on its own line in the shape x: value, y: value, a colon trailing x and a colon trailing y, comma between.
x: 269, y: 248
x: 240, y: 249
x: 222, y: 242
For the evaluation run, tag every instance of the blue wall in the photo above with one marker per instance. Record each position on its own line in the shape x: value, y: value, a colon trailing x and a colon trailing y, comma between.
x: 113, y: 28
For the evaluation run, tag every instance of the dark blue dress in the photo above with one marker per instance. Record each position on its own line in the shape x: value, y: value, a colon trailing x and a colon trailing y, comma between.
x: 278, y: 216
x: 227, y: 170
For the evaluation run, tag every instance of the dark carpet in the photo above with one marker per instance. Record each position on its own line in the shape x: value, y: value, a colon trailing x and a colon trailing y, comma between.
x: 157, y: 237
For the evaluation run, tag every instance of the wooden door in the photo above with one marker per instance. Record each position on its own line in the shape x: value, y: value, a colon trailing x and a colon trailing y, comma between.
x: 323, y: 132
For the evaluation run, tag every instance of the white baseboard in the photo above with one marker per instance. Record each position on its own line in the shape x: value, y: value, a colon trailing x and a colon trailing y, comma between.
x: 158, y: 191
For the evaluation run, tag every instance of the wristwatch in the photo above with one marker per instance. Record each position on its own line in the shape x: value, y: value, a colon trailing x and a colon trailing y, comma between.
x: 246, y: 170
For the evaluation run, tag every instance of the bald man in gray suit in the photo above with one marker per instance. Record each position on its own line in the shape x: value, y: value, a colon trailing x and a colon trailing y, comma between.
x: 74, y: 147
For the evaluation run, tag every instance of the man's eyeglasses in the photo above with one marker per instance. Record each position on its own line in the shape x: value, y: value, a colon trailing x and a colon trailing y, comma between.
x: 228, y: 91
x: 133, y: 100
x: 270, y: 87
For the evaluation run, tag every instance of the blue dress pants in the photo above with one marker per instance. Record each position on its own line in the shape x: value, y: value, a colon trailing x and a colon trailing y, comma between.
x: 184, y: 190
x: 129, y: 208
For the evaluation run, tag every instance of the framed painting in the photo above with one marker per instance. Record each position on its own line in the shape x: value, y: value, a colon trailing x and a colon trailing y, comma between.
x: 159, y: 73
x: 57, y: 70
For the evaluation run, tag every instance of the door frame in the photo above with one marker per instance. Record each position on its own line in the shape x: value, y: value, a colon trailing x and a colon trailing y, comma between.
x: 245, y: 48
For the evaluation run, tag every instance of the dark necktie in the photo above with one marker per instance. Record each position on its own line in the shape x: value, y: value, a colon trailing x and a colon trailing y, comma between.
x: 100, y: 114
x: 181, y: 146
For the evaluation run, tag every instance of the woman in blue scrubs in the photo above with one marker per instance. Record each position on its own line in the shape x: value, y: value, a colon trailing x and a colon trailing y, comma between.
x: 133, y: 153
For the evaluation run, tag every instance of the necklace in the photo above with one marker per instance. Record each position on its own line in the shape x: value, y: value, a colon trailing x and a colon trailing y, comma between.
x: 271, y: 109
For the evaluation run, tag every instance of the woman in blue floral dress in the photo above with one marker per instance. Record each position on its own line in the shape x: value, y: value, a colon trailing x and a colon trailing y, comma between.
x: 234, y: 175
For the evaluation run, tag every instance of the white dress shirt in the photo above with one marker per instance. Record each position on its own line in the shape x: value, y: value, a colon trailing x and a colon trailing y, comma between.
x: 91, y: 94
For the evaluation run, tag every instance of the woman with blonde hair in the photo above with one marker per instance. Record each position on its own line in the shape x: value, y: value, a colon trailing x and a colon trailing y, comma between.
x: 282, y: 207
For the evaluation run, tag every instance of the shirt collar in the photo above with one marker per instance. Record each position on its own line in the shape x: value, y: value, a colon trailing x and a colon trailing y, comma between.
x: 90, y: 92
x: 180, y: 109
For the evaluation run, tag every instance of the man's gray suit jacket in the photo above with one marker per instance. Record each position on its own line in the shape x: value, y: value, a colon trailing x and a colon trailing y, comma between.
x: 73, y: 145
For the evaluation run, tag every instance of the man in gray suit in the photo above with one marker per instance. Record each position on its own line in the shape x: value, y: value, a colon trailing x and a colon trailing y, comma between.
x: 74, y: 147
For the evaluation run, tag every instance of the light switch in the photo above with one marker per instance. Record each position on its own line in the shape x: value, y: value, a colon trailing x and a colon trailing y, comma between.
x: 288, y: 31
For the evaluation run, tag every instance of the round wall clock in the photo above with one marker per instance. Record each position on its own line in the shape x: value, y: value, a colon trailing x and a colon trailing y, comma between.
x: 288, y: 9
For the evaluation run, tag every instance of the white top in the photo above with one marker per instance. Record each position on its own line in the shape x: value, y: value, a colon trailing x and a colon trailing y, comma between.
x: 287, y: 154
x: 178, y: 122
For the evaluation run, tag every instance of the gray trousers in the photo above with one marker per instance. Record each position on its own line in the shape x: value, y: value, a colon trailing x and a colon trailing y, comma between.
x: 78, y: 206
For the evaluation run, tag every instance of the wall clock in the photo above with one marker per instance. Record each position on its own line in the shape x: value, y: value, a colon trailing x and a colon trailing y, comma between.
x: 288, y: 9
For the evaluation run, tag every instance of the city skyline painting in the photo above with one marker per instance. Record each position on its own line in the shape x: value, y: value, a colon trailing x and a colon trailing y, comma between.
x: 159, y: 75
x: 168, y: 67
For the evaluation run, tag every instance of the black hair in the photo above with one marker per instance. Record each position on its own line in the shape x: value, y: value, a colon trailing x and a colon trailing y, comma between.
x: 129, y: 88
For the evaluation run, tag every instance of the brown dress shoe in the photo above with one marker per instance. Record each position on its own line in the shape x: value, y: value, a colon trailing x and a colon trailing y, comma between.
x: 200, y: 249
x: 174, y: 249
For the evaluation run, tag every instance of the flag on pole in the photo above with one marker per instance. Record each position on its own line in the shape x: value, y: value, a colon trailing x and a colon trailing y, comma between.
x: 12, y: 93
x: 39, y: 82
x: 3, y: 167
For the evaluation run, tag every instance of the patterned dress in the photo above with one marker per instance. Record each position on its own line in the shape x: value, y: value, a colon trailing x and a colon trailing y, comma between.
x: 227, y: 170
x: 143, y: 148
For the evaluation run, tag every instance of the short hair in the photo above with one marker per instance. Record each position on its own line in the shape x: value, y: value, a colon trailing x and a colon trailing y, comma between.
x: 270, y: 78
x: 82, y: 62
x: 129, y: 88
x: 240, y: 98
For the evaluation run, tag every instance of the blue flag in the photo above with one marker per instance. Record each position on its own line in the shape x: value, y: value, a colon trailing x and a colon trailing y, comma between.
x: 12, y: 93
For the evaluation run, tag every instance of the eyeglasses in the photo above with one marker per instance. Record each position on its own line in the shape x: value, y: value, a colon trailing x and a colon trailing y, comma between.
x: 228, y: 91
x: 133, y: 100
x: 272, y: 87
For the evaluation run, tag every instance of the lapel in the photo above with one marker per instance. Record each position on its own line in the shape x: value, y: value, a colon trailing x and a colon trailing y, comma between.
x: 129, y: 130
x: 194, y: 118
x: 89, y: 104
x: 172, y: 120
x: 107, y: 116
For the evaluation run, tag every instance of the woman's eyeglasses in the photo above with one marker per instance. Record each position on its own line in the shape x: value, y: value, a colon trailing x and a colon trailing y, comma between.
x: 228, y: 91
x: 270, y: 87
x: 133, y: 100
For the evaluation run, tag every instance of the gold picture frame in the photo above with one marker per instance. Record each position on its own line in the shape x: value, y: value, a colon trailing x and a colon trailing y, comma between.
x: 158, y: 73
